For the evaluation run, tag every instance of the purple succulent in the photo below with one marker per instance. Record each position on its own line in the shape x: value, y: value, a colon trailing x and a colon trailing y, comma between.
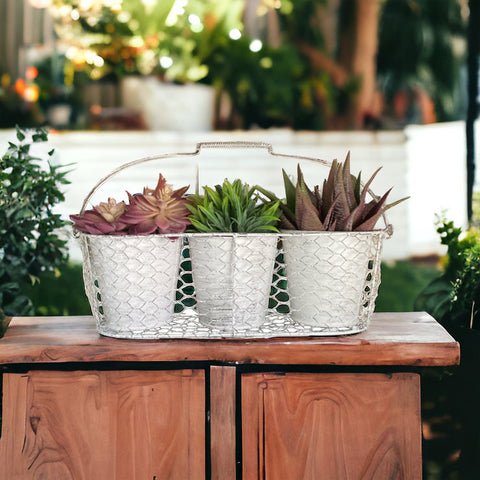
x: 162, y: 210
x: 104, y: 219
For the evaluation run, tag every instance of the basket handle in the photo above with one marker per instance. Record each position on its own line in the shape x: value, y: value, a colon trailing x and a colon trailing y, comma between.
x: 208, y: 145
x: 236, y: 144
x: 133, y: 163
x: 198, y: 149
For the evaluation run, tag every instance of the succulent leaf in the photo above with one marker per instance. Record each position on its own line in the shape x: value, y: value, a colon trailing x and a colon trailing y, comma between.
x: 111, y: 211
x: 340, y: 206
x: 375, y: 206
x: 287, y: 216
x: 363, y: 194
x: 233, y: 207
x: 304, y: 187
x: 396, y: 202
x: 348, y: 183
x: 162, y: 210
x: 330, y: 221
x: 103, y: 219
x: 357, y: 187
x: 318, y: 197
x: 290, y: 191
x: 286, y: 223
x: 307, y: 215
x: 328, y: 192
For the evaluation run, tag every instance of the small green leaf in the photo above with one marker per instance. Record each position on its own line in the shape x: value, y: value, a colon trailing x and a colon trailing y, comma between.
x: 20, y: 136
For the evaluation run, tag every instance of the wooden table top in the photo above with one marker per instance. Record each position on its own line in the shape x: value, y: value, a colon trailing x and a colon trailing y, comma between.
x: 413, y: 339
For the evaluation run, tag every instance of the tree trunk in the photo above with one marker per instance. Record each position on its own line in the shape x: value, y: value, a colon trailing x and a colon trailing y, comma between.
x: 472, y: 113
x: 357, y: 54
x: 328, y: 15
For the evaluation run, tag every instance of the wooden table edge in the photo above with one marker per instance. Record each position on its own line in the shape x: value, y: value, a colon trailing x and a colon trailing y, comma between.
x: 74, y: 339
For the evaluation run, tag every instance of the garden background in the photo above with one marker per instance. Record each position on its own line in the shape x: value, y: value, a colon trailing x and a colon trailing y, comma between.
x: 268, y: 68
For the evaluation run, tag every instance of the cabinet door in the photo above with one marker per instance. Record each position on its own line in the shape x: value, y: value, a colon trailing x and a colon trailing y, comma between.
x: 331, y: 426
x: 122, y: 425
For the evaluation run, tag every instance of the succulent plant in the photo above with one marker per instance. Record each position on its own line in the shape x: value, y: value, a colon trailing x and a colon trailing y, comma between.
x: 232, y: 207
x: 341, y: 204
x: 103, y: 219
x: 162, y: 210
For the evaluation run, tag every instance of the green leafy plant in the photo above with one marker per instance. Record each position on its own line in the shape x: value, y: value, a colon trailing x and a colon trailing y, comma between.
x: 341, y: 204
x: 454, y: 297
x: 30, y: 238
x: 232, y: 207
x: 465, y: 300
x: 168, y: 38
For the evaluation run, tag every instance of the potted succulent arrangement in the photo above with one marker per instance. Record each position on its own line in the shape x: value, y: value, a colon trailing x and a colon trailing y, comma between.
x: 131, y: 259
x: 332, y: 250
x: 232, y: 263
x: 232, y: 237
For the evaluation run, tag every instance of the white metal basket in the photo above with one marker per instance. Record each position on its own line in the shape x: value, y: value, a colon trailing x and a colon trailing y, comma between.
x: 138, y: 289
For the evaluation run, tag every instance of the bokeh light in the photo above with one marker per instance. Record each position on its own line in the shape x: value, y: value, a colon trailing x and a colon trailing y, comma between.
x: 31, y: 73
x: 235, y: 34
x: 31, y: 93
x: 256, y: 45
x: 166, y: 62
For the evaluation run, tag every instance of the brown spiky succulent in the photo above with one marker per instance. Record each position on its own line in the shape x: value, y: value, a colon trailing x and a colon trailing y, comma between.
x: 162, y: 210
x: 341, y: 204
x: 103, y: 219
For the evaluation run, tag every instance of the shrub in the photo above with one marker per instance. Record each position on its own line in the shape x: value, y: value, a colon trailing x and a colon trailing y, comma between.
x: 30, y: 237
x: 454, y: 298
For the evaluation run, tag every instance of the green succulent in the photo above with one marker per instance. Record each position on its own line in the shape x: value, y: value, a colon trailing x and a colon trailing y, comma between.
x: 232, y: 207
x: 341, y: 204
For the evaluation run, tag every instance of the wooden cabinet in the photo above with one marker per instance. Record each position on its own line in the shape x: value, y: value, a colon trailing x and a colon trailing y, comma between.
x: 344, y: 425
x: 72, y: 425
x: 80, y: 406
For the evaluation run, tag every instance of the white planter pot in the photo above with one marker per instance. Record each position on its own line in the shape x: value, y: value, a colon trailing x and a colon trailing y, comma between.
x: 130, y: 282
x: 168, y: 106
x: 232, y: 274
x: 333, y: 278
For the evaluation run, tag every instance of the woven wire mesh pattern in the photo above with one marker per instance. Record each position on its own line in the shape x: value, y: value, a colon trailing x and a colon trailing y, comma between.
x: 130, y: 282
x: 333, y: 277
x: 158, y: 287
x: 232, y: 275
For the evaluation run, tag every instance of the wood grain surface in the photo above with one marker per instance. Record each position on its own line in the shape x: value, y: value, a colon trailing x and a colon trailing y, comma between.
x: 331, y: 426
x: 413, y: 338
x: 121, y: 425
x: 222, y: 422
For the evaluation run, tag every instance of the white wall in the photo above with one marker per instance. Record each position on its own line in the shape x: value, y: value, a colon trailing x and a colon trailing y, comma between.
x: 425, y: 162
x: 436, y: 166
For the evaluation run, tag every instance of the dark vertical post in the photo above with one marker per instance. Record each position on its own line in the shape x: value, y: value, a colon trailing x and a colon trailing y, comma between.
x: 472, y: 112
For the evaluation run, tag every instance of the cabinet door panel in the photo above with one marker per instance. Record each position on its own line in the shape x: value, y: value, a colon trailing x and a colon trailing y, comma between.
x: 123, y: 425
x: 331, y: 426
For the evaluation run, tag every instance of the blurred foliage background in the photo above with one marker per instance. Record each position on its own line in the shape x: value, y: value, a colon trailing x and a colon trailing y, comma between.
x: 310, y: 64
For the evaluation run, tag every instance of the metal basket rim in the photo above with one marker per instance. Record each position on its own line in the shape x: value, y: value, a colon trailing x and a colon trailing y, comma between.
x: 281, y: 233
